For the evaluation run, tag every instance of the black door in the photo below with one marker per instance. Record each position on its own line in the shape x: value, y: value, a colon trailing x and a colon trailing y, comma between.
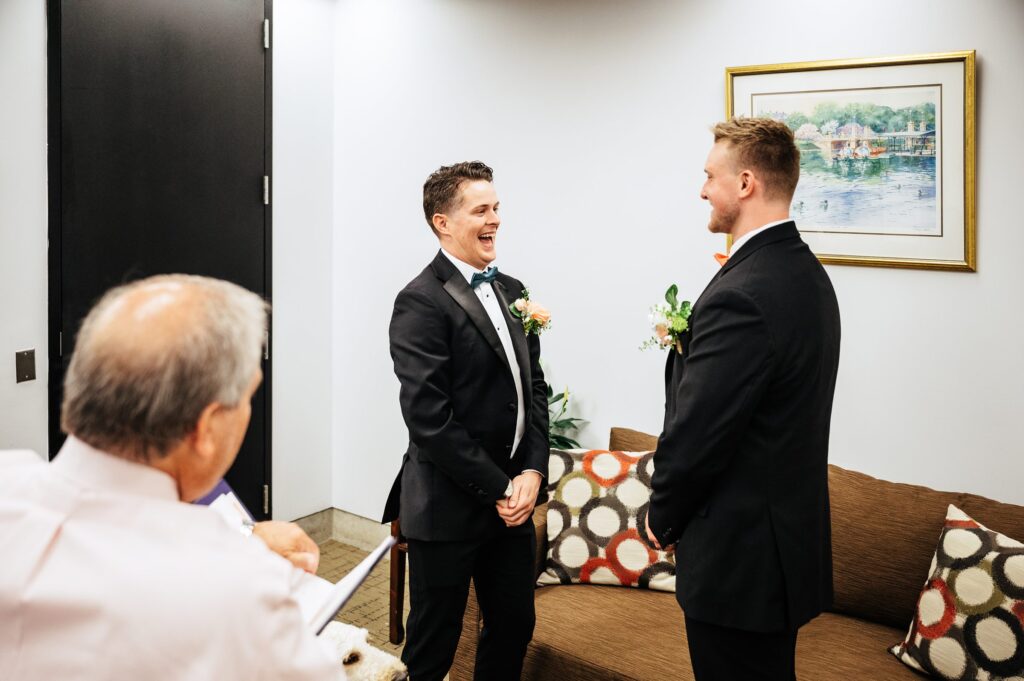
x: 159, y: 144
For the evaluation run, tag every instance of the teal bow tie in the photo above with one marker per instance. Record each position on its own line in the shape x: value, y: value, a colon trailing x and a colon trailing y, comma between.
x: 485, y: 277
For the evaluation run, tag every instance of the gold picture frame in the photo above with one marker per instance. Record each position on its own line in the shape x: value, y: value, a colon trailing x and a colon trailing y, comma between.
x: 900, y: 182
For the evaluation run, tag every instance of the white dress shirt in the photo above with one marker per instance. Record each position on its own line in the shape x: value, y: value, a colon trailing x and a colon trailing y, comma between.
x: 487, y: 296
x: 738, y: 244
x: 105, y: 574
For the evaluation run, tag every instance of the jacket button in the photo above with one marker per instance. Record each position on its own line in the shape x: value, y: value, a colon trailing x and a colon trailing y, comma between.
x: 511, y: 406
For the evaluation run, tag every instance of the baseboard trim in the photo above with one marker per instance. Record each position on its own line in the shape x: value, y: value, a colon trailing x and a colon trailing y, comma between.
x: 348, y: 528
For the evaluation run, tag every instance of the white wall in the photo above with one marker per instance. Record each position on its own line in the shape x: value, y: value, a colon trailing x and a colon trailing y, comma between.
x: 23, y: 312
x: 595, y: 117
x: 303, y: 46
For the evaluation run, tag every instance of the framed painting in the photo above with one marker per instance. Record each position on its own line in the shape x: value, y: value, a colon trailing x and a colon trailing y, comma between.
x: 886, y: 154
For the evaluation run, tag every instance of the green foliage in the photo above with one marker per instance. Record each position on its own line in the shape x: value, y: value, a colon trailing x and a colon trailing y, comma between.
x: 559, y: 425
x: 878, y: 118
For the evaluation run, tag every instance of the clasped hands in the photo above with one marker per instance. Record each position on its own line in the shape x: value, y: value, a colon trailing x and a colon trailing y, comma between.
x: 518, y: 508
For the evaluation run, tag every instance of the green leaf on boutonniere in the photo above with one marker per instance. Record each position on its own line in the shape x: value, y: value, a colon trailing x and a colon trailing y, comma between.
x: 671, y: 296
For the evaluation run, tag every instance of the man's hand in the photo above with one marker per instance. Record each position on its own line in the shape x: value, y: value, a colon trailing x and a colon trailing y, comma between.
x: 651, y: 538
x: 654, y: 540
x: 518, y: 508
x: 289, y: 540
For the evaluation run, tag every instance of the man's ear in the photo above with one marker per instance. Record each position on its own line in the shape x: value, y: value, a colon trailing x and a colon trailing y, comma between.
x: 204, y: 437
x: 440, y: 221
x: 746, y: 180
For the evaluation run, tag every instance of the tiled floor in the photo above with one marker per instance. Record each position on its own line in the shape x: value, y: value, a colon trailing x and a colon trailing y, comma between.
x: 369, y: 606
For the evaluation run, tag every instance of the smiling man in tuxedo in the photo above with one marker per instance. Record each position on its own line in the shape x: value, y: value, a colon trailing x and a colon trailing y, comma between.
x: 741, y: 470
x: 474, y: 400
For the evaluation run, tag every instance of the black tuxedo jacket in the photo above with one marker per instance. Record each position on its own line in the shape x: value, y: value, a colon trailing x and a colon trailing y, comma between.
x: 458, y: 400
x: 741, y: 469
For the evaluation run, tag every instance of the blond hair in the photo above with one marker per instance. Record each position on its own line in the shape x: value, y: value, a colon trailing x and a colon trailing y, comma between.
x: 768, y: 148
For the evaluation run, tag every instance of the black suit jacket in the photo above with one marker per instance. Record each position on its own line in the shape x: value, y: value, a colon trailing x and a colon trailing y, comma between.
x: 458, y: 400
x: 741, y: 470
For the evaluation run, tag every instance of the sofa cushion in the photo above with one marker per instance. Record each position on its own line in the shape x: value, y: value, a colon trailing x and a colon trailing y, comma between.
x: 583, y: 634
x: 839, y: 648
x: 596, y: 521
x: 970, y: 614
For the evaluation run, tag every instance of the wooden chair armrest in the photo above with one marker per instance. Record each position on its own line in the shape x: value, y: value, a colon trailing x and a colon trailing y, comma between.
x: 396, y: 593
x: 540, y: 526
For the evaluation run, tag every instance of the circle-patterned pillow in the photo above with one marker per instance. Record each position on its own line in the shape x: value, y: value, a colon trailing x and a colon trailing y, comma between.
x: 597, y: 515
x: 969, y: 624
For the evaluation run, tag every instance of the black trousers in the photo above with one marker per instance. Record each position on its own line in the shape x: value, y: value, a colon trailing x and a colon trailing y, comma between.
x: 502, y: 569
x: 724, y: 654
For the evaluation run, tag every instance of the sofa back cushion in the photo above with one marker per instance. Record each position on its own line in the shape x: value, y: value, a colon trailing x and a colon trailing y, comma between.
x: 883, y: 535
x: 883, y: 538
x: 626, y: 440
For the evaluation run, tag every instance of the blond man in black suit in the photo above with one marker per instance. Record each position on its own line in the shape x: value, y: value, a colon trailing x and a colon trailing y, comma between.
x: 741, y: 478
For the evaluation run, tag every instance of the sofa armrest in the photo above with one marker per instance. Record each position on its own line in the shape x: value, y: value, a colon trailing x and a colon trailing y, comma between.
x: 540, y: 526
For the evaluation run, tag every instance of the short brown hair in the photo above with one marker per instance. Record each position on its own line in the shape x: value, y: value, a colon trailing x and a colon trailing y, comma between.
x: 766, y: 146
x: 441, y: 189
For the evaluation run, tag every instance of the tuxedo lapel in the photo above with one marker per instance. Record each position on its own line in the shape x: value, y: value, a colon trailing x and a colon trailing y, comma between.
x: 456, y: 286
x: 515, y: 331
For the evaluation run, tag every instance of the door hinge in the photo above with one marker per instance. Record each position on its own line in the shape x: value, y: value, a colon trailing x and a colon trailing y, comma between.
x: 266, y: 34
x: 60, y: 343
x: 266, y: 499
x: 266, y: 190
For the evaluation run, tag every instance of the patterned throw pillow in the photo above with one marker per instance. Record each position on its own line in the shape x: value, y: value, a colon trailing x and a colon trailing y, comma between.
x: 597, y: 519
x: 969, y: 624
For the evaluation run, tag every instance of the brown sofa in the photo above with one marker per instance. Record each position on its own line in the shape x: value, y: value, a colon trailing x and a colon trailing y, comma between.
x: 883, y: 538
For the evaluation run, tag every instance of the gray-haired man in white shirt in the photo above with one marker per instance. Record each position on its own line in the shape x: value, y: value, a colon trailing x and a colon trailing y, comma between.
x: 106, y: 573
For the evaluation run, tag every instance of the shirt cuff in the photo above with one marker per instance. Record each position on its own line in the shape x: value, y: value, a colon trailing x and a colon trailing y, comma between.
x: 509, y: 490
x: 534, y: 470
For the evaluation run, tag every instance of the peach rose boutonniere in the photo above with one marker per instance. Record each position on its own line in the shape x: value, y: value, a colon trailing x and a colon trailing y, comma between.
x: 535, y: 317
x: 670, y: 322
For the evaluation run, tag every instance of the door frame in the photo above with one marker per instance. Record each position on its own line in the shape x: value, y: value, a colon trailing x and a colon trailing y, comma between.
x: 53, y: 135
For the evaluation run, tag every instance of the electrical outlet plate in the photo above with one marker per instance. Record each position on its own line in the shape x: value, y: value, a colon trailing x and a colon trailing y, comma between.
x: 25, y: 365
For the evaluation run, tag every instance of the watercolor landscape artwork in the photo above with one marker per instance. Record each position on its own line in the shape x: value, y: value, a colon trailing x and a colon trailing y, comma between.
x: 887, y: 154
x: 867, y: 158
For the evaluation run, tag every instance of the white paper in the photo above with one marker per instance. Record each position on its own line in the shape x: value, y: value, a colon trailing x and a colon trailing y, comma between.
x: 331, y: 602
x: 313, y: 592
x: 228, y: 507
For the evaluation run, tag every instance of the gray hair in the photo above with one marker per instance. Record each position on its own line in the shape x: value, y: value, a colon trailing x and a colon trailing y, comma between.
x: 138, y: 394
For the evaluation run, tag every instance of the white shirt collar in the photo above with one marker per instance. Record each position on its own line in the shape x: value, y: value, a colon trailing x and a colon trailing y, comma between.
x: 97, y: 469
x: 736, y: 245
x: 466, y: 269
